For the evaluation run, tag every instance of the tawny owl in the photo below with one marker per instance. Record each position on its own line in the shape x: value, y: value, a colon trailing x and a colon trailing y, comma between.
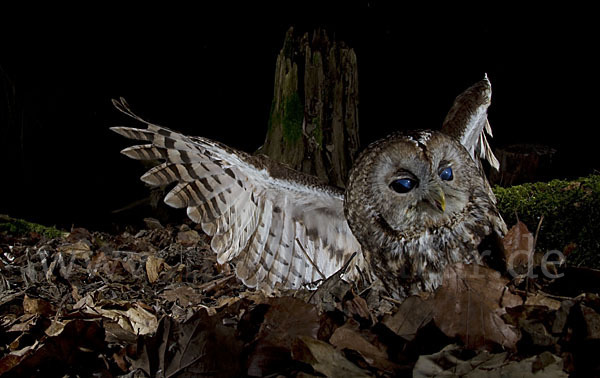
x: 414, y: 203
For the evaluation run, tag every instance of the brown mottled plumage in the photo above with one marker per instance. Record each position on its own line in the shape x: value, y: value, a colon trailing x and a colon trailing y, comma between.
x: 282, y: 227
x: 410, y: 237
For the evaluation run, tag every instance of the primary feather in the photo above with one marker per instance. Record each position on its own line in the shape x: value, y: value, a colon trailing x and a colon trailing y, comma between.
x: 278, y: 225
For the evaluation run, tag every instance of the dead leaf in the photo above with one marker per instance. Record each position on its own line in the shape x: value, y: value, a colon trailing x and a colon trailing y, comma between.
x: 357, y: 307
x: 106, y: 266
x: 25, y: 323
x: 325, y: 359
x: 592, y: 322
x: 330, y: 293
x: 225, y: 301
x: 349, y: 336
x: 469, y: 303
x: 200, y: 346
x: 153, y: 224
x: 561, y: 316
x: 413, y: 314
x: 37, y: 306
x: 66, y: 350
x: 538, y: 299
x: 78, y: 234
x: 188, y: 238
x: 130, y: 316
x: 185, y: 296
x: 536, y: 331
x: 81, y: 249
x: 449, y: 363
x: 518, y: 248
x: 285, y: 320
x: 56, y: 327
x: 154, y: 266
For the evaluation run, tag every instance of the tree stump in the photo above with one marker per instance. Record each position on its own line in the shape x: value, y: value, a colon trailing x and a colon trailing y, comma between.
x: 521, y: 163
x: 313, y: 125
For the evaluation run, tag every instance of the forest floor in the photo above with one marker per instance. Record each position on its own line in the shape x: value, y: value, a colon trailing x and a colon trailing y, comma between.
x: 154, y: 302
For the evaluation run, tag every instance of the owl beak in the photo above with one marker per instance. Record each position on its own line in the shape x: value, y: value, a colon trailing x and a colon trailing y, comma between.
x: 437, y: 198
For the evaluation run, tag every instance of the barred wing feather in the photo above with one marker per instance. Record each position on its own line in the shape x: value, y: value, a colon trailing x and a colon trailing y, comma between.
x: 278, y: 226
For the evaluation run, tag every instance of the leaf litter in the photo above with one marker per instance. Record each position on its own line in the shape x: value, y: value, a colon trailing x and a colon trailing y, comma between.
x: 155, y: 302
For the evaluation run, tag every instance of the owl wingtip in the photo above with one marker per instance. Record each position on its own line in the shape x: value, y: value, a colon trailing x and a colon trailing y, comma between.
x: 149, y: 179
x: 119, y: 130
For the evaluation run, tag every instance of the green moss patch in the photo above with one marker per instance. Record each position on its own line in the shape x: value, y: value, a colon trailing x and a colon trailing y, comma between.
x: 571, y: 211
x: 21, y: 227
x: 318, y: 131
x: 293, y: 114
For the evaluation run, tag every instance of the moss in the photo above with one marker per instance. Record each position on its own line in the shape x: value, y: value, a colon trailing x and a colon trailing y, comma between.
x: 318, y: 131
x: 316, y: 58
x: 293, y: 114
x: 571, y: 211
x: 20, y: 227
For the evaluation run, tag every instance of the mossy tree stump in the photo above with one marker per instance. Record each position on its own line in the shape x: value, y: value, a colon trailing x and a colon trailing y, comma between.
x: 313, y: 125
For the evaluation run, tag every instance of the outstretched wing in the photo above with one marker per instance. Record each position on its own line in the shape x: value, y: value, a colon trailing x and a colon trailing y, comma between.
x: 467, y: 121
x: 276, y: 224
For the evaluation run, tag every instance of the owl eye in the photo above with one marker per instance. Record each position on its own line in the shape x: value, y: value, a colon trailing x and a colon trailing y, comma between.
x: 403, y: 185
x: 446, y: 174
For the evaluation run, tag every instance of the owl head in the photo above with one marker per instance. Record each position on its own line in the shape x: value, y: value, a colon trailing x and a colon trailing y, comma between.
x: 409, y: 185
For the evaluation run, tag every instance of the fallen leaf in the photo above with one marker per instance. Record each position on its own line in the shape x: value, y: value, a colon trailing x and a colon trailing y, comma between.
x: 469, y: 303
x: 81, y: 249
x: 349, y: 336
x: 78, y: 234
x: 153, y: 224
x: 325, y: 359
x: 413, y: 314
x: 357, y: 307
x: 537, y: 333
x: 518, y: 248
x: 132, y: 317
x: 449, y: 363
x: 285, y: 320
x: 330, y: 293
x: 154, y: 266
x: 37, y: 306
x: 25, y: 323
x: 67, y: 350
x: 183, y: 295
x: 188, y: 238
x: 562, y: 315
x: 201, y: 346
x: 538, y: 299
x: 592, y: 322
x: 56, y: 327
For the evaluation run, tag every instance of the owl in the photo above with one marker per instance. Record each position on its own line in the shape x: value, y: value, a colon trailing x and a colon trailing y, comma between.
x: 414, y: 203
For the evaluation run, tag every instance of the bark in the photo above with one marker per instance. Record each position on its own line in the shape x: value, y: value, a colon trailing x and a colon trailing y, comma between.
x: 313, y: 125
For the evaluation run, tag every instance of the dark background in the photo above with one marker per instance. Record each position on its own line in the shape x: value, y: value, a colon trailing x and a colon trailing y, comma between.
x: 210, y: 71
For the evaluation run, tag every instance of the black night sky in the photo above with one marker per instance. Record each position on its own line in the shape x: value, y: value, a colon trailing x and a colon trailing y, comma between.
x: 209, y: 71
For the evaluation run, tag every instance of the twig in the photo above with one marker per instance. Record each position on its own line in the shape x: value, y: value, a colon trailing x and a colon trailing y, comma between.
x: 309, y: 259
x: 215, y: 283
x: 396, y: 301
x: 537, y: 232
